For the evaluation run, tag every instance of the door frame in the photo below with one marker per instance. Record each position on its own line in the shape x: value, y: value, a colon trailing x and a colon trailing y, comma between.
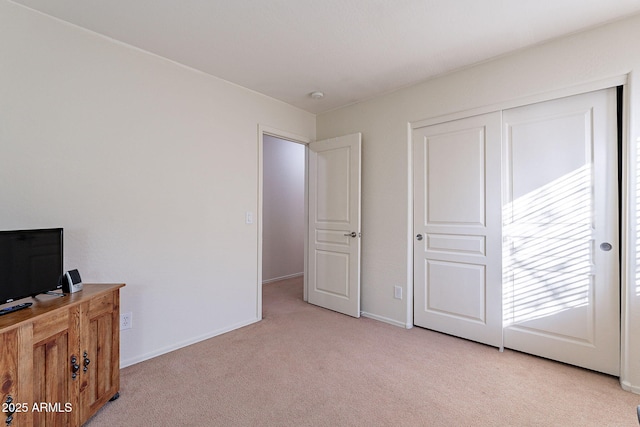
x: 625, y: 202
x: 298, y: 139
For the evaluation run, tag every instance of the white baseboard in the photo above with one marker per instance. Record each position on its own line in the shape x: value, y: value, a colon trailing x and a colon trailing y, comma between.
x: 629, y: 387
x: 385, y: 320
x: 277, y: 279
x: 178, y: 345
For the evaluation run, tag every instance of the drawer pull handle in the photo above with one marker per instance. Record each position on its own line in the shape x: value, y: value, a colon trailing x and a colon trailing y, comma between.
x: 86, y: 362
x: 74, y: 367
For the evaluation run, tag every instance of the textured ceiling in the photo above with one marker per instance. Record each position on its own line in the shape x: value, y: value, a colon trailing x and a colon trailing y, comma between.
x: 349, y: 49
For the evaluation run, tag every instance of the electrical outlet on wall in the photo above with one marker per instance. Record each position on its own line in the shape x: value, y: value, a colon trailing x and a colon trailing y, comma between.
x: 126, y: 320
x: 397, y: 292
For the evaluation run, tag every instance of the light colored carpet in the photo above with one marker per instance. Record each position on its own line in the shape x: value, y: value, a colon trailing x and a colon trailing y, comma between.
x: 306, y: 366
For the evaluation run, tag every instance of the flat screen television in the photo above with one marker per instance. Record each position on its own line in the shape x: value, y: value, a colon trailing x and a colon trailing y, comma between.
x: 30, y: 263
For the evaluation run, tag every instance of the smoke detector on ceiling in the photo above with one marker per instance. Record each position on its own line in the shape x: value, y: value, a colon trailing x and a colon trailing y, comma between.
x: 317, y: 95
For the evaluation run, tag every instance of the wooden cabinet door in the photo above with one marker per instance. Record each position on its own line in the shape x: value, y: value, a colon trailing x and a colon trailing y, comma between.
x: 100, y: 344
x: 56, y: 368
x: 11, y: 391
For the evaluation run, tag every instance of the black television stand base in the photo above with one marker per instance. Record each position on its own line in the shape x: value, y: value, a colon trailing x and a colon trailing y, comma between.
x: 15, y: 308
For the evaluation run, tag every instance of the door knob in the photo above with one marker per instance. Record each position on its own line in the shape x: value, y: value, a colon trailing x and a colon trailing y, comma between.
x: 606, y: 246
x: 419, y: 237
x: 352, y: 234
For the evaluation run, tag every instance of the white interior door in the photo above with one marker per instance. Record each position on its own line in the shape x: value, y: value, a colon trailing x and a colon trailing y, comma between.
x: 457, y: 228
x: 334, y: 224
x: 561, y: 290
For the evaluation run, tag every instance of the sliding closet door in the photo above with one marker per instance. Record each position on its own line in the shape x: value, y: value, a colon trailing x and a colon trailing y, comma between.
x: 561, y: 290
x: 457, y: 240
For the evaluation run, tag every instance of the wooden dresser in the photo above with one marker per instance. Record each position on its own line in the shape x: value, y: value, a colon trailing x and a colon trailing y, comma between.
x: 60, y: 358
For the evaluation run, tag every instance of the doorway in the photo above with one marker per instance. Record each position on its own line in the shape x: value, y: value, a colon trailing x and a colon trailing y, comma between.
x: 332, y: 188
x: 285, y: 167
x: 282, y: 209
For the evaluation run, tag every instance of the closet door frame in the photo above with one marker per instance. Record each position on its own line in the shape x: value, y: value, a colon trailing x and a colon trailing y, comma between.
x: 628, y: 155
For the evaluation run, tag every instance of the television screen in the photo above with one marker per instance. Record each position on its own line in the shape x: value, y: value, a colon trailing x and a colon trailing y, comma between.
x: 30, y: 262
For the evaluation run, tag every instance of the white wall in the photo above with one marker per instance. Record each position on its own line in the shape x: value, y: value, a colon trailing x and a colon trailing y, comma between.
x: 149, y: 167
x: 581, y: 59
x: 282, y: 209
